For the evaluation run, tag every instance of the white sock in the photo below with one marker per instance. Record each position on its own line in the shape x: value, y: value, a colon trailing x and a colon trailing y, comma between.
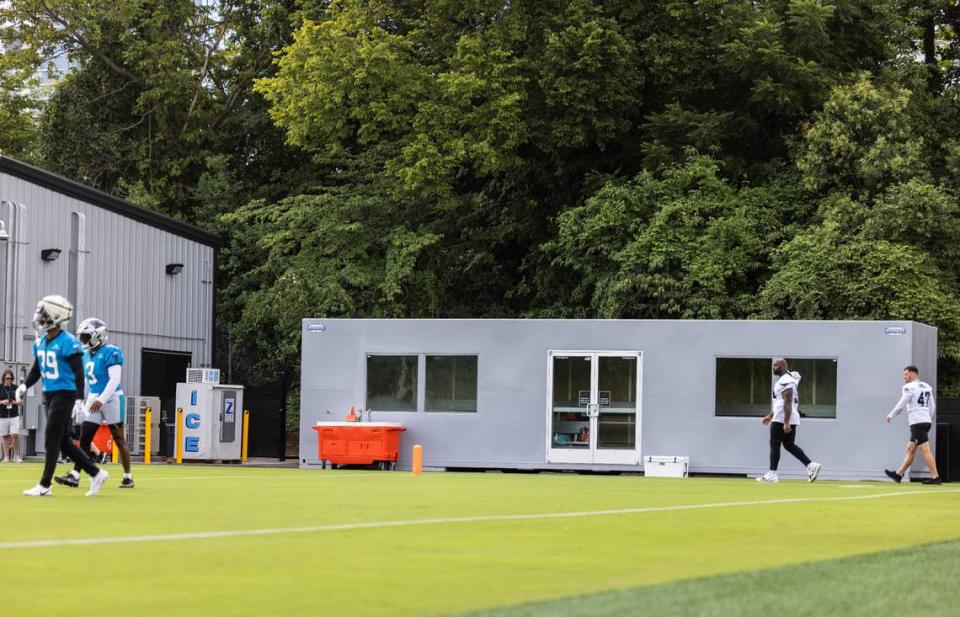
x: 128, y: 476
x: 75, y: 474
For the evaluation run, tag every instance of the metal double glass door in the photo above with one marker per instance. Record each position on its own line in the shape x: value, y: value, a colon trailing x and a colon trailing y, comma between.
x: 594, y: 407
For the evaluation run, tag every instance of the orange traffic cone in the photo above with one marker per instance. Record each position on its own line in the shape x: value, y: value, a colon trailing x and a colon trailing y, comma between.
x: 352, y: 416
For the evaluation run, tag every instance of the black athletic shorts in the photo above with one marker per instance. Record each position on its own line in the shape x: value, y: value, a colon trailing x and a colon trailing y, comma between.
x: 918, y: 433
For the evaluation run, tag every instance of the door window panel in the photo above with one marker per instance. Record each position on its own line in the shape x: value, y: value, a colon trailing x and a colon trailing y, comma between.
x: 617, y: 396
x: 571, y: 399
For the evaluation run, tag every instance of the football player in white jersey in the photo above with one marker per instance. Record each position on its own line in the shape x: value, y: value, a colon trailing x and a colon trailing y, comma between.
x: 783, y: 422
x: 917, y: 399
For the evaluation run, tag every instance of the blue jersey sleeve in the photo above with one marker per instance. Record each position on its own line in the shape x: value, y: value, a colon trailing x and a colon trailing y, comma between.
x: 115, y: 358
x: 72, y: 347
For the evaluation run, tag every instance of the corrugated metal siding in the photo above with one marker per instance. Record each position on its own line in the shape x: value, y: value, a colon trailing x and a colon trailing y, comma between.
x: 124, y: 278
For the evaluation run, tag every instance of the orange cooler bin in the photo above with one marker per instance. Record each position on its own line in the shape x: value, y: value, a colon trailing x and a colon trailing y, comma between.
x: 103, y: 439
x: 359, y: 443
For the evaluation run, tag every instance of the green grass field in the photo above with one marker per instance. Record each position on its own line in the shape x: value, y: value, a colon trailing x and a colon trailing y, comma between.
x: 203, y: 540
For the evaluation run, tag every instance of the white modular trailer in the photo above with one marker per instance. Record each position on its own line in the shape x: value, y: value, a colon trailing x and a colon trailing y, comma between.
x: 605, y: 394
x: 148, y: 276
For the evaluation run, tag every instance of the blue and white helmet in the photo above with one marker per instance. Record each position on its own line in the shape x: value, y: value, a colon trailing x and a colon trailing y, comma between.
x: 92, y: 333
x: 51, y: 312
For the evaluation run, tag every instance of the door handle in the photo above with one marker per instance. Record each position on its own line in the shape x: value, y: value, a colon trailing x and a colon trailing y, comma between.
x: 593, y: 410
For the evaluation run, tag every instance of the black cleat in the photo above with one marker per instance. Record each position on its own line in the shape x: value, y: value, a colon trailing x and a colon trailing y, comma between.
x: 936, y: 480
x: 893, y: 475
x: 67, y: 480
x: 127, y: 483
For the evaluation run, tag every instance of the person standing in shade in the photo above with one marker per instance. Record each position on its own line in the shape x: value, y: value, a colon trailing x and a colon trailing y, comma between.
x: 103, y: 367
x: 58, y: 361
x: 917, y: 399
x: 9, y: 418
x: 783, y: 421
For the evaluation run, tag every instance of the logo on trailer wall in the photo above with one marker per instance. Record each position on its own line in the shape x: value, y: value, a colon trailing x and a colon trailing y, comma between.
x: 316, y: 327
x: 895, y: 331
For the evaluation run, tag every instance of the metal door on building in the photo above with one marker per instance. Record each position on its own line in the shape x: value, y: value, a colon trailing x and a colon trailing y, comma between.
x: 160, y: 371
x: 593, y: 407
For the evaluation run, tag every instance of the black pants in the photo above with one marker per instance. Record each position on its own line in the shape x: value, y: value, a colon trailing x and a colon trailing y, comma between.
x: 777, y: 437
x: 57, y: 437
x: 87, y: 432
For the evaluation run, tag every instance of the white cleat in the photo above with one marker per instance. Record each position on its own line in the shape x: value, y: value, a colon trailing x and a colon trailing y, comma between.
x: 813, y: 470
x: 96, y: 482
x: 38, y: 491
x: 768, y: 477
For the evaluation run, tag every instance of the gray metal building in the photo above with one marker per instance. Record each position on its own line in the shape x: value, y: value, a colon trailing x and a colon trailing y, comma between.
x: 148, y: 276
x: 604, y: 394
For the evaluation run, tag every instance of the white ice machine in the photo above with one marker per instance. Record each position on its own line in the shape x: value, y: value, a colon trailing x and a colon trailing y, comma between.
x: 212, y: 420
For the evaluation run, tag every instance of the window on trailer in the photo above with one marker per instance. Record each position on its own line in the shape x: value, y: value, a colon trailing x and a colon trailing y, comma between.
x: 392, y: 383
x: 744, y: 386
x: 451, y: 383
x: 818, y: 386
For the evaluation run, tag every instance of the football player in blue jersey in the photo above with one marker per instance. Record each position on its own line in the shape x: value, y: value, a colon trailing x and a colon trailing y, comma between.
x: 102, y: 367
x: 57, y: 361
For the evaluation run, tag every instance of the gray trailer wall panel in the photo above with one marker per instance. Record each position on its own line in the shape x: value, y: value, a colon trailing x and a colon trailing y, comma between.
x: 925, y: 351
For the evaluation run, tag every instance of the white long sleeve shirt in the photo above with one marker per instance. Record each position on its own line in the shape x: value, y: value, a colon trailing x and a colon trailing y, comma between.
x: 113, y: 383
x: 917, y: 399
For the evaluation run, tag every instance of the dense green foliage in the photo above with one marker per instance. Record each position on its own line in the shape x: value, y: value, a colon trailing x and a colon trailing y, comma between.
x: 719, y: 159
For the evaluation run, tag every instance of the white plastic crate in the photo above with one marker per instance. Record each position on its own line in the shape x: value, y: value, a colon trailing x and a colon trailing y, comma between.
x: 666, y: 466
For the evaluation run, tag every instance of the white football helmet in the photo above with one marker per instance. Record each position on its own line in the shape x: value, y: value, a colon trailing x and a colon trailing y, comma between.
x: 51, y: 312
x: 92, y: 332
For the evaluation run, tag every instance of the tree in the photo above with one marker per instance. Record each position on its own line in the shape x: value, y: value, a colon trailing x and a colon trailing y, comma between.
x: 17, y: 126
x: 864, y: 139
x: 17, y: 105
x: 536, y: 157
x: 684, y: 245
x: 152, y: 81
x: 737, y: 80
x: 320, y: 257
